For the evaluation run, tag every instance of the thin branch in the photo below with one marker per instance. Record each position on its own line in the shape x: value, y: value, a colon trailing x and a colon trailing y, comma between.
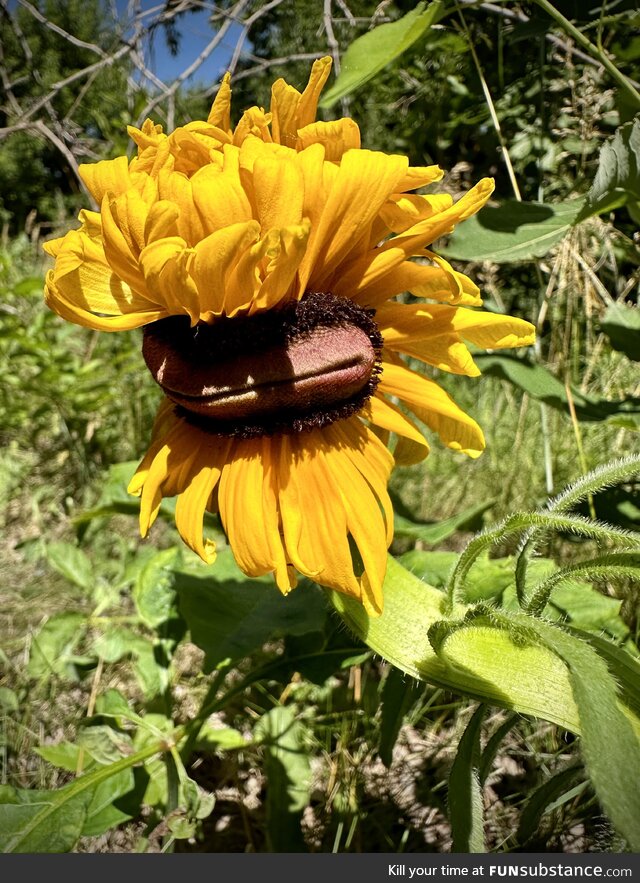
x: 60, y: 31
x: 206, y: 52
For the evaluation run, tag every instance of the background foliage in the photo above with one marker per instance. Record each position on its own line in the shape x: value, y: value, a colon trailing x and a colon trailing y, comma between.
x: 148, y: 703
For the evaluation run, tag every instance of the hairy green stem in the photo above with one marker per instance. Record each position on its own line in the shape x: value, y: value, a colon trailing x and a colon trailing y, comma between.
x: 597, y: 480
x: 520, y: 522
x: 612, y: 566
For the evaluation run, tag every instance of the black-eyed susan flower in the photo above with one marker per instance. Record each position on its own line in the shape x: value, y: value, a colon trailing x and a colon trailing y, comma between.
x: 263, y: 264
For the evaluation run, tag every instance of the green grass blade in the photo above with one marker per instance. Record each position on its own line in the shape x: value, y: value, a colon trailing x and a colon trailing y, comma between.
x: 466, y: 807
x: 543, y: 799
x: 398, y: 694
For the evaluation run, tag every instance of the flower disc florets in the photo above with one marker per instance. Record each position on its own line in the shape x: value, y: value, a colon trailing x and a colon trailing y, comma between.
x: 292, y: 369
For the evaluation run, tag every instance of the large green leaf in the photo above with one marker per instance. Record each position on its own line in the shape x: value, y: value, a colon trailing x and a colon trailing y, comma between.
x: 74, y: 564
x: 540, y: 384
x: 520, y: 231
x: 513, y: 231
x: 288, y: 772
x: 398, y: 694
x: 367, y: 55
x: 547, y: 797
x: 621, y: 324
x: 52, y: 821
x: 617, y: 180
x: 230, y: 616
x: 609, y: 744
x: 484, y: 663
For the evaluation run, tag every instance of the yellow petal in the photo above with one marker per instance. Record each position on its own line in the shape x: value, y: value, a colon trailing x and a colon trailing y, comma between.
x: 308, y: 104
x: 403, y: 211
x: 427, y: 332
x: 215, y: 257
x: 419, y: 176
x: 284, y: 112
x: 177, y: 188
x: 431, y: 404
x: 83, y: 284
x: 219, y: 198
x: 165, y: 264
x: 367, y: 459
x: 161, y: 221
x: 253, y: 122
x: 386, y: 415
x: 194, y: 493
x: 282, y: 268
x: 493, y: 331
x: 346, y: 216
x: 417, y: 237
x: 249, y: 515
x: 384, y: 272
x: 123, y: 224
x: 108, y: 175
x: 68, y: 308
x: 314, y: 521
x: 364, y: 523
x: 277, y: 191
x: 337, y: 136
x: 403, y: 325
x: 220, y: 114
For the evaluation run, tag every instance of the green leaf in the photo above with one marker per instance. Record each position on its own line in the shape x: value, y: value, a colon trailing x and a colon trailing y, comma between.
x: 437, y: 532
x: 617, y: 180
x: 545, y: 798
x: 52, y: 645
x: 52, y: 821
x: 115, y: 643
x: 513, y: 231
x: 30, y: 821
x: 609, y: 744
x: 621, y: 324
x: 466, y: 807
x: 102, y: 813
x: 64, y: 755
x: 8, y: 699
x: 220, y: 738
x: 398, y: 695
x: 370, y: 53
x: 74, y: 564
x: 154, y: 593
x: 230, y: 616
x: 104, y: 744
x: 484, y: 663
x: 540, y: 384
x: 113, y: 704
x: 288, y: 772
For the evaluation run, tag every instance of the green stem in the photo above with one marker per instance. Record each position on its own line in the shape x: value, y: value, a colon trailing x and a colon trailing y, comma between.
x: 592, y: 49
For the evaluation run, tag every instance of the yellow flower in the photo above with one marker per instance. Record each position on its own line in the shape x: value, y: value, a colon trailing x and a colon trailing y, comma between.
x: 264, y: 262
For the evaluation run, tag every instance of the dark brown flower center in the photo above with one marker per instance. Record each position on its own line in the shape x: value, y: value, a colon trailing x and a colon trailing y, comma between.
x: 286, y: 370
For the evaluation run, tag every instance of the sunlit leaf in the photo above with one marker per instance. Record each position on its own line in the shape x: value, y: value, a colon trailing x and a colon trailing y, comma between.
x: 621, y: 324
x: 74, y: 564
x: 288, y: 772
x: 367, y: 55
x: 513, y: 231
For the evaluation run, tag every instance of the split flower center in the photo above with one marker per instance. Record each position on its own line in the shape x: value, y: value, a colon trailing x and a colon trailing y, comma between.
x: 292, y: 369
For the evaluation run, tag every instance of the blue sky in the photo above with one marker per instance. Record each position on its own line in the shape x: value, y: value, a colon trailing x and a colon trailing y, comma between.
x: 195, y: 33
